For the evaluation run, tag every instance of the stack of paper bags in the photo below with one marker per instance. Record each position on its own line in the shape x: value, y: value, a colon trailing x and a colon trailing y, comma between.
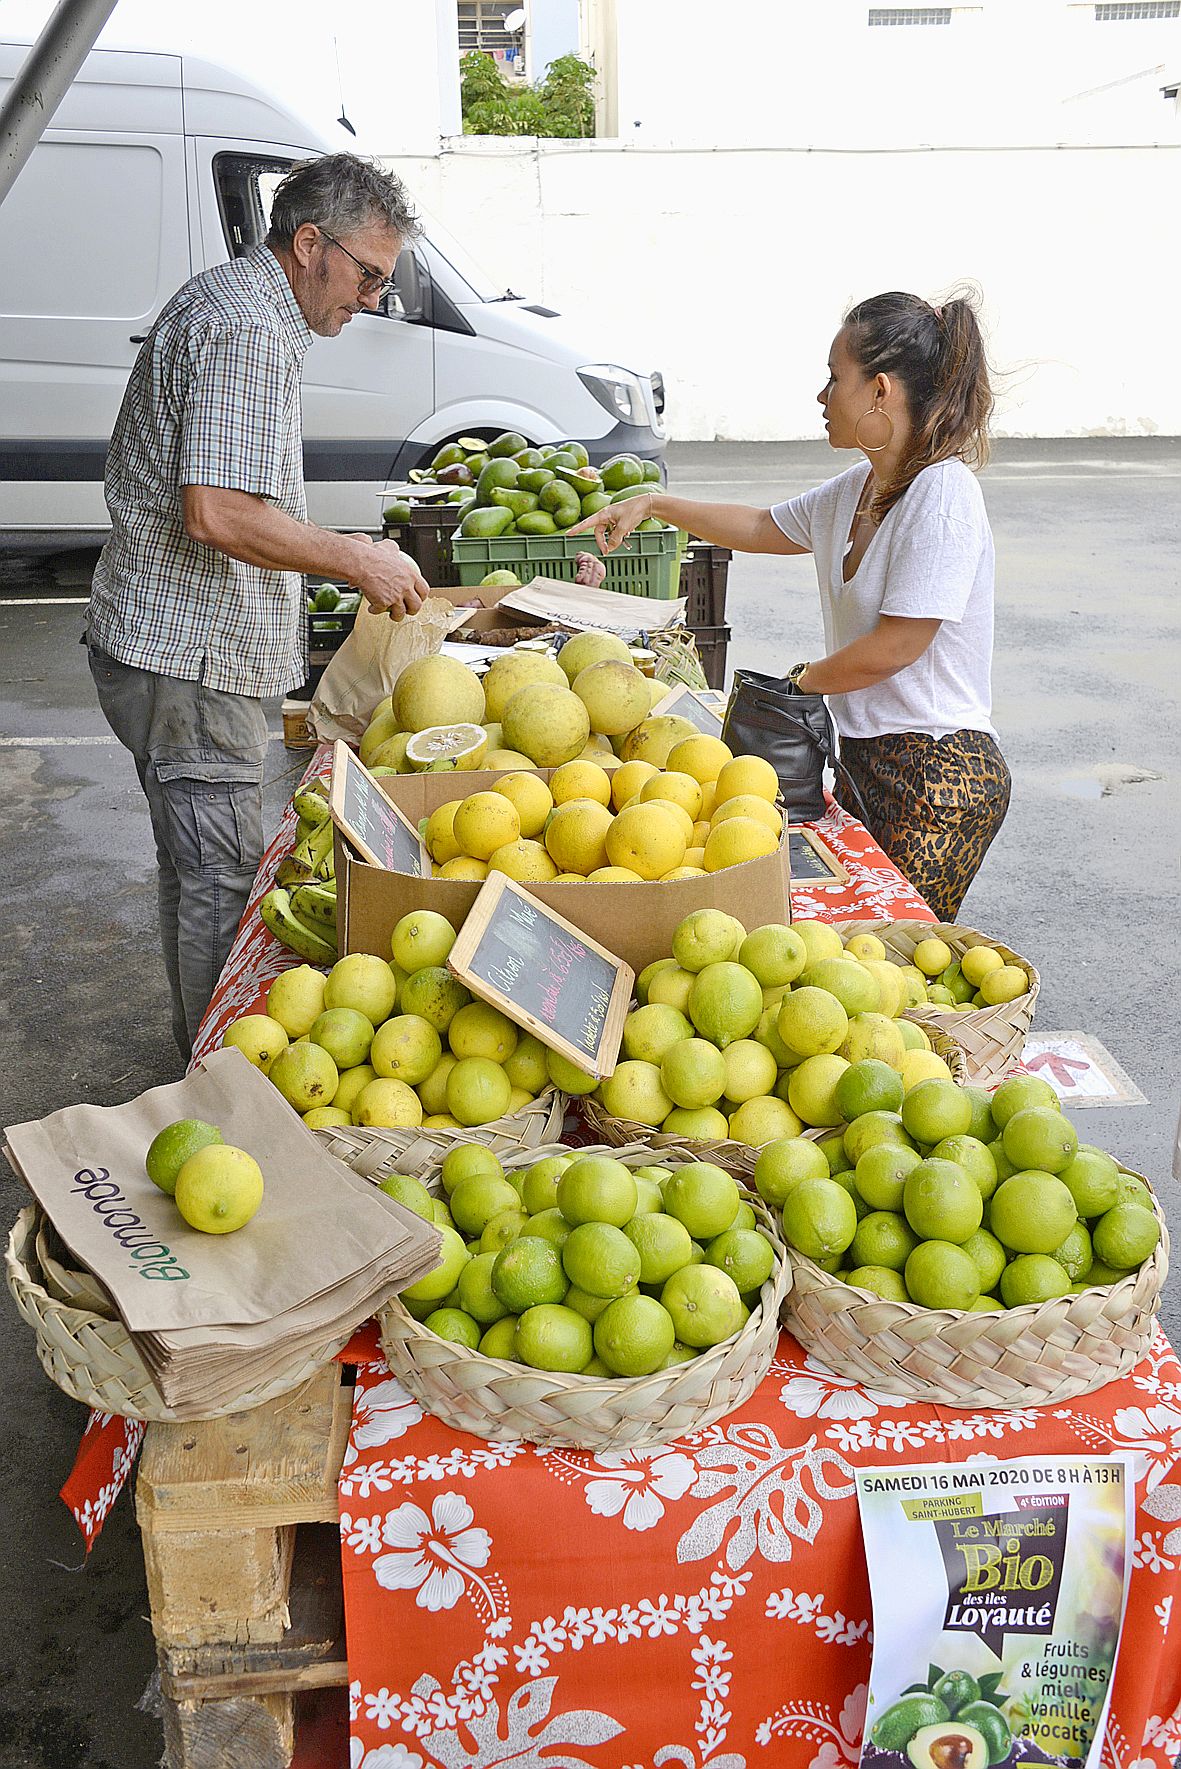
x: 216, y: 1316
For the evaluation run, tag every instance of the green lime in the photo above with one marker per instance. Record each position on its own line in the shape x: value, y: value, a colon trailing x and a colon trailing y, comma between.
x: 634, y: 1335
x: 983, y: 1126
x: 1134, y: 1191
x: 599, y: 1258
x: 1017, y: 1094
x: 784, y: 1164
x: 500, y: 1340
x: 834, y: 1152
x: 1004, y: 1167
x: 1125, y: 1235
x: 502, y: 1228
x: 453, y: 1324
x: 873, y: 1128
x: 551, y: 1225
x: 704, y: 1303
x: 973, y: 1156
x: 411, y: 1193
x: 868, y: 1086
x: 940, y: 1275
x: 1032, y: 1213
x: 527, y: 1272
x: 942, y: 1202
x: 1032, y: 1277
x: 988, y: 1256
x: 881, y: 1280
x: 476, y: 1295
x: 1092, y: 1179
x: 883, y: 1238
x: 171, y: 1147
x: 987, y: 1305
x: 550, y: 1337
x: 704, y: 1198
x: 475, y: 1201
x: 663, y: 1243
x: 819, y: 1219
x: 539, y: 1187
x: 1075, y: 1255
x: 881, y: 1174
x: 465, y: 1162
x: 934, y: 1109
x: 743, y: 1254
x: 597, y: 1189
x: 1102, y: 1274
x: 1039, y: 1138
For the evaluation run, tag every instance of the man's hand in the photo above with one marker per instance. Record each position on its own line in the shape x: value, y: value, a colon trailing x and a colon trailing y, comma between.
x: 590, y: 570
x: 390, y: 582
x: 612, y: 525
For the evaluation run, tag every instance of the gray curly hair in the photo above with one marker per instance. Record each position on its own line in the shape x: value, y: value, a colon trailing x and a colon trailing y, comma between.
x: 341, y: 192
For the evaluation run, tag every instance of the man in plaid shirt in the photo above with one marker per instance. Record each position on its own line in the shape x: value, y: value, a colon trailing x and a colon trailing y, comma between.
x: 197, y: 607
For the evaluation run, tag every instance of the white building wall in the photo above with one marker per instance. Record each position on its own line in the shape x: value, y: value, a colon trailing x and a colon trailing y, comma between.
x: 731, y: 269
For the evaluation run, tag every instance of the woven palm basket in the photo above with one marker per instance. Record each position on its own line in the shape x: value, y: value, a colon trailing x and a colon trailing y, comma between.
x: 1031, y: 1356
x: 739, y: 1157
x: 92, y: 1357
x: 502, y: 1401
x: 992, y: 1038
x: 375, y: 1153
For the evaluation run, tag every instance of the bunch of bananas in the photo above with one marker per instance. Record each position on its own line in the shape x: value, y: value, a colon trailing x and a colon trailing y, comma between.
x: 301, y: 910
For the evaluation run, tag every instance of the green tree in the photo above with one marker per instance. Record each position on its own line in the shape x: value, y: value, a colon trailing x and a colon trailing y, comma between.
x: 560, y: 105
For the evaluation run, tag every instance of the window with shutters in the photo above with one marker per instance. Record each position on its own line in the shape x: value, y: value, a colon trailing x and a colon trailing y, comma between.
x: 1130, y: 11
x: 910, y: 15
x: 481, y: 26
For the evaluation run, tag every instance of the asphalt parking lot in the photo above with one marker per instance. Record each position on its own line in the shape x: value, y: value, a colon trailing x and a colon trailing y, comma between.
x: 1083, y: 880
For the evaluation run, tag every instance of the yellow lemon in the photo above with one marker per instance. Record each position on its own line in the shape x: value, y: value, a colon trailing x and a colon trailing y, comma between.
x: 695, y: 856
x: 568, y: 878
x: 865, y: 946
x: 748, y: 774
x: 219, y: 1188
x: 1005, y: 984
x: 702, y: 757
x: 627, y: 780
x: 647, y: 839
x: 922, y: 1065
x: 675, y: 789
x: 748, y: 805
x: 525, y: 861
x: 580, y: 780
x: 498, y: 761
x: 473, y: 871
x: 736, y: 840
x: 440, y: 832
x: 679, y: 812
x: 685, y: 872
x: 710, y: 797
x: 700, y: 833
x: 977, y: 962
x: 820, y: 940
x: 932, y: 956
x: 576, y: 835
x: 889, y: 984
x: 613, y: 875
x: 485, y: 822
x: 532, y: 799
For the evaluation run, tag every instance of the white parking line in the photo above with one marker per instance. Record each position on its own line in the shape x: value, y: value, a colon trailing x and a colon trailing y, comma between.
x: 82, y: 742
x: 44, y: 601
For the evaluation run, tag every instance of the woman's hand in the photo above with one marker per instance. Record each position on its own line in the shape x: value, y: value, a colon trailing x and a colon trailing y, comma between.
x: 589, y: 570
x: 612, y: 525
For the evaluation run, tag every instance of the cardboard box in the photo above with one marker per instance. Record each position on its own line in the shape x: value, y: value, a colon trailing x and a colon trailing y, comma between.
x: 634, y: 921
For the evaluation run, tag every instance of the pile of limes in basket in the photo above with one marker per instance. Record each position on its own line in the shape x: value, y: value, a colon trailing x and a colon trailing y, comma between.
x: 581, y: 1264
x: 744, y: 1036
x: 951, y: 1198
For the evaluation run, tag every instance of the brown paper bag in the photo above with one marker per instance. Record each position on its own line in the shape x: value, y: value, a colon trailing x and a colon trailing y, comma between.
x: 370, y: 661
x: 315, y: 1229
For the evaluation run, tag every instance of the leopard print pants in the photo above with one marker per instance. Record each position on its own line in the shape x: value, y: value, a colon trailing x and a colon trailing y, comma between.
x: 932, y: 804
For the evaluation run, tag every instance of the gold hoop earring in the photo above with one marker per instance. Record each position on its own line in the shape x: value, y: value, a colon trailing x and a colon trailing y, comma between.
x: 873, y: 412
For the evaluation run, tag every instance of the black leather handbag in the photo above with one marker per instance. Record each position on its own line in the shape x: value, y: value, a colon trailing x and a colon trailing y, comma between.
x: 794, y: 732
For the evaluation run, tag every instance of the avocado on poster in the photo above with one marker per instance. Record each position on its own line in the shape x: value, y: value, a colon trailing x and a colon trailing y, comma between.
x: 999, y: 1592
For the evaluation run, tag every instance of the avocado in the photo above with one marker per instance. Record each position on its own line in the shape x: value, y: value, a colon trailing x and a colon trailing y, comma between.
x: 472, y: 444
x: 485, y: 524
x: 519, y: 502
x: 498, y: 472
x: 894, y: 1729
x: 583, y: 480
x: 449, y: 455
x: 326, y: 598
x: 475, y: 464
x: 955, y: 1688
x: 650, y: 525
x: 620, y: 471
x: 458, y: 474
x: 535, y: 478
x: 991, y: 1724
x: 528, y: 457
x: 581, y: 458
x: 458, y: 510
x: 651, y: 472
x: 561, y: 458
x: 557, y: 495
x: 461, y: 495
x: 593, y: 502
x: 500, y: 580
x: 537, y: 522
x: 948, y: 1744
x: 397, y: 514
x: 629, y: 491
x: 507, y: 443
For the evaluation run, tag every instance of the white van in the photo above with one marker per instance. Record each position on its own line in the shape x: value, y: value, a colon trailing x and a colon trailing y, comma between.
x: 157, y: 166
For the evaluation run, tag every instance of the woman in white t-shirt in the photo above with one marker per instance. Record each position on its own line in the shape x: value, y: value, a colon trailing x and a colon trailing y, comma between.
x: 904, y: 557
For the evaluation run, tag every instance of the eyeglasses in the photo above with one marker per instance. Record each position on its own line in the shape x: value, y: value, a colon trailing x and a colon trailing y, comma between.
x: 371, y: 282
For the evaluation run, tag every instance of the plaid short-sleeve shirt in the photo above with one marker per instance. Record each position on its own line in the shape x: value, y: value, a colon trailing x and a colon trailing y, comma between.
x: 213, y: 399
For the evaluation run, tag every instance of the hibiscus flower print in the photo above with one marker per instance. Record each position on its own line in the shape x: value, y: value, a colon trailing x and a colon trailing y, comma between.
x: 636, y: 1485
x: 821, y: 1395
x: 381, y: 1414
x: 434, y: 1556
x: 1155, y: 1434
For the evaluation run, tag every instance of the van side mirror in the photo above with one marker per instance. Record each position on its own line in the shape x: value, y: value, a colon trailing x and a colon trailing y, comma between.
x: 406, y: 300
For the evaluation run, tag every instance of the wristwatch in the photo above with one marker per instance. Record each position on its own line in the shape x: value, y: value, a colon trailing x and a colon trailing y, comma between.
x: 793, y: 678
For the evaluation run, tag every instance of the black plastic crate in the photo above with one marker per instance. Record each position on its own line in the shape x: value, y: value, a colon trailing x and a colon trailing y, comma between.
x: 704, y: 571
x: 711, y: 645
x: 426, y: 538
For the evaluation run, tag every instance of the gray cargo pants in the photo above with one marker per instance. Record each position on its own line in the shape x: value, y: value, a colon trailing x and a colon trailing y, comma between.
x: 199, y: 754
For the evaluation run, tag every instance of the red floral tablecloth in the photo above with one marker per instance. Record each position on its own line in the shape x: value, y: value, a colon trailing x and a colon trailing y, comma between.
x: 875, y: 889
x: 703, y: 1603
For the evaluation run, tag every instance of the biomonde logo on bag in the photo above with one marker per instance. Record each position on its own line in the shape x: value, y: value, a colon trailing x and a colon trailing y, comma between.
x: 998, y: 1598
x: 149, y: 1257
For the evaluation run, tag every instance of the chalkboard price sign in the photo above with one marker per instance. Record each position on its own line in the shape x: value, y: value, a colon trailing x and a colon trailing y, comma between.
x: 545, y: 974
x: 700, y: 707
x: 812, y: 860
x: 367, y: 818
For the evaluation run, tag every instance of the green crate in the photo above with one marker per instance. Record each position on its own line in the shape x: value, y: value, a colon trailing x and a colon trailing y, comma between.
x: 645, y: 565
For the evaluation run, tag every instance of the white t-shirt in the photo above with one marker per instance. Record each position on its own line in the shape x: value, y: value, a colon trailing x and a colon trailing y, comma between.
x: 932, y: 558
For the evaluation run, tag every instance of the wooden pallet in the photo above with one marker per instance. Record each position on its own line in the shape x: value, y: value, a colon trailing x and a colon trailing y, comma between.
x: 242, y: 1553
